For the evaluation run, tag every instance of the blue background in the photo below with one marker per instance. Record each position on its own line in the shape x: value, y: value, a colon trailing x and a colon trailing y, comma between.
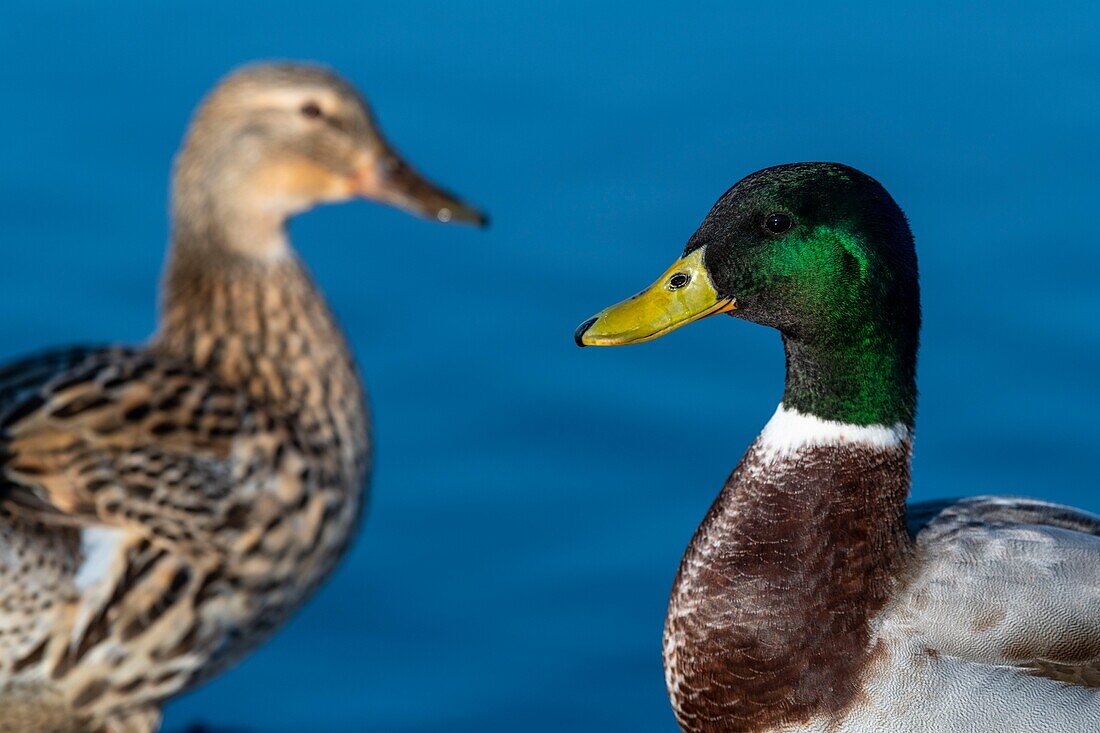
x: 531, y: 500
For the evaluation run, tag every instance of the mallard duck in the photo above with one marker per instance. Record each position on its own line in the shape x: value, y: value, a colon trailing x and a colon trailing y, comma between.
x: 164, y: 508
x: 811, y: 598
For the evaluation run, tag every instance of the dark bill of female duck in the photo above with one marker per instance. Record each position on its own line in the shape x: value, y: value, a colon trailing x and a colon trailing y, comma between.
x: 683, y: 294
x: 387, y: 178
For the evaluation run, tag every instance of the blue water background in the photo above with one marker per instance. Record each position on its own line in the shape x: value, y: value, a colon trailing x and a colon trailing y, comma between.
x: 531, y: 500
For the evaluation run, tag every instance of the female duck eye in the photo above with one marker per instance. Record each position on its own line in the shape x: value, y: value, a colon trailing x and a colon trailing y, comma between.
x: 777, y: 222
x: 311, y: 110
x: 678, y: 281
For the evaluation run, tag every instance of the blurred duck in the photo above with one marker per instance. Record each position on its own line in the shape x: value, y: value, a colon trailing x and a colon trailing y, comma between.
x: 811, y: 598
x: 163, y: 509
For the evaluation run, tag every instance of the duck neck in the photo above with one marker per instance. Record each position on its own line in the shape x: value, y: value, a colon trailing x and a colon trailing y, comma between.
x: 863, y: 377
x: 259, y: 323
x: 214, y: 216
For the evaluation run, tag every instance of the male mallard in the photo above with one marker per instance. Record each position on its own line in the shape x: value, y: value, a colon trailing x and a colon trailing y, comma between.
x: 163, y: 509
x: 804, y: 603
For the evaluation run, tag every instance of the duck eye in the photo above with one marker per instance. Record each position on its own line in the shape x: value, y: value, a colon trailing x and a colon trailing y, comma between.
x: 678, y: 281
x: 778, y: 222
x: 311, y: 110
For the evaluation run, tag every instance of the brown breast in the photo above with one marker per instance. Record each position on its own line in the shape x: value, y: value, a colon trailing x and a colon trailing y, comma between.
x: 769, y: 617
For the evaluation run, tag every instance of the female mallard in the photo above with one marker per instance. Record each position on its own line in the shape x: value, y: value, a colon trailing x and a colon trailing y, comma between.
x: 163, y: 509
x: 804, y: 603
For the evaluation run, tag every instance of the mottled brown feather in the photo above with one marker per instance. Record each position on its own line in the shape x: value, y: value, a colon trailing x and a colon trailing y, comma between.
x: 230, y: 454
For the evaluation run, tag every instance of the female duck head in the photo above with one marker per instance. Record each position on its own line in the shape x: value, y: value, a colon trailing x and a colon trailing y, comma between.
x: 273, y: 140
x: 820, y: 252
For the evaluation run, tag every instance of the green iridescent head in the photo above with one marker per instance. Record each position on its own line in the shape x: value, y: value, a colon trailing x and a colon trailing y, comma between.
x: 820, y: 252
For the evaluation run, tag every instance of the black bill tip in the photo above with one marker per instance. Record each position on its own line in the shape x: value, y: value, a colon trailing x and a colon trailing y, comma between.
x: 462, y: 213
x: 578, y: 335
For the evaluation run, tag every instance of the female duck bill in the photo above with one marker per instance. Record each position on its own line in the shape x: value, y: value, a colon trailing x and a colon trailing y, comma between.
x: 389, y: 179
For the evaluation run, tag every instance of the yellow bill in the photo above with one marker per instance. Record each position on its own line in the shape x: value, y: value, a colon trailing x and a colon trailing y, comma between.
x: 684, y: 293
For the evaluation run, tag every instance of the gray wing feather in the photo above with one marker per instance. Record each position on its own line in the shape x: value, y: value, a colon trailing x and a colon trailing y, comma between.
x: 1009, y: 581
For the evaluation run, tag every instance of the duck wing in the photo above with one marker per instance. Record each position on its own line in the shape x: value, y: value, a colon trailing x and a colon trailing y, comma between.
x: 1010, y: 582
x: 133, y: 440
x: 21, y: 378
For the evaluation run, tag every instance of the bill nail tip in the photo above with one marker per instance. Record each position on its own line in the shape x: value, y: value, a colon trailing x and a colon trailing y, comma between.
x: 578, y: 335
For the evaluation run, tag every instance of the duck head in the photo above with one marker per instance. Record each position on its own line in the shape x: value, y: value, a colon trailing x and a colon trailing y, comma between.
x: 818, y: 251
x: 274, y: 140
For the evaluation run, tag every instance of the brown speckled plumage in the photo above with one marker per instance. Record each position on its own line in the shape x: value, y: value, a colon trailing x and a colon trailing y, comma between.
x: 163, y: 509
